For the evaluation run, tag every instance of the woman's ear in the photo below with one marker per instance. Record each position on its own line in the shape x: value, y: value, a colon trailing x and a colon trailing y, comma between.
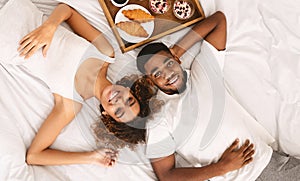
x: 104, y: 113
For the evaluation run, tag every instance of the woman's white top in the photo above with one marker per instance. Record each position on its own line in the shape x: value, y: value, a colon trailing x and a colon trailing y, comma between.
x: 59, y: 68
x: 67, y: 50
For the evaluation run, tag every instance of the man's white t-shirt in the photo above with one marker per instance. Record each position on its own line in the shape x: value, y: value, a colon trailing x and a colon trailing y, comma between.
x: 203, y: 121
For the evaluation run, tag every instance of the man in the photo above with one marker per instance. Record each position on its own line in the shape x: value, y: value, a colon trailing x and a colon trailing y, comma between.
x: 189, y: 102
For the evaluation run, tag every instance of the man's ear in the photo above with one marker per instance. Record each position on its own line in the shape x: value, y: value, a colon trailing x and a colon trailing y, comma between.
x: 175, y: 56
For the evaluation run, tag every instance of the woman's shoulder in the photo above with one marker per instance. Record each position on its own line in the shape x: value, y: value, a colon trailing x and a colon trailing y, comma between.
x: 93, y: 52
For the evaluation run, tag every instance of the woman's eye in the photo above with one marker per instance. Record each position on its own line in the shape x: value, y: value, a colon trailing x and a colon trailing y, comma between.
x: 118, y: 112
x: 157, y: 74
x: 130, y: 101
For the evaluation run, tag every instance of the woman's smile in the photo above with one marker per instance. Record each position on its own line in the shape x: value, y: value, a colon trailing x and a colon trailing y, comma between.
x: 119, y: 103
x: 113, y: 95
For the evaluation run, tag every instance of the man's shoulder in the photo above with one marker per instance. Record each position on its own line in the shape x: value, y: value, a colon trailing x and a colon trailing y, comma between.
x: 168, y: 110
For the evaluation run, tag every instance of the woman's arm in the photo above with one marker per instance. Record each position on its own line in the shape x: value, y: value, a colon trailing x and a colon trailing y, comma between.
x: 62, y: 114
x: 232, y: 159
x: 80, y: 26
x: 42, y: 36
x: 212, y: 29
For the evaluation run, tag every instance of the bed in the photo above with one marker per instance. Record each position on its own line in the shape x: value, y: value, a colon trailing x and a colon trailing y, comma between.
x: 261, y: 70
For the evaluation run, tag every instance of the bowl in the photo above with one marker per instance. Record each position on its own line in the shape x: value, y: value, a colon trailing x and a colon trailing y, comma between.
x: 119, y: 3
x: 183, y: 9
x: 159, y: 6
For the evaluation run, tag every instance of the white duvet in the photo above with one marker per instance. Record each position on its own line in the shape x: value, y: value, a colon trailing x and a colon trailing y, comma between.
x: 261, y: 70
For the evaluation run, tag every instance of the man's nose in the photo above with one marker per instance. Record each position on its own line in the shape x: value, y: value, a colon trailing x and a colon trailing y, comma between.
x: 168, y: 73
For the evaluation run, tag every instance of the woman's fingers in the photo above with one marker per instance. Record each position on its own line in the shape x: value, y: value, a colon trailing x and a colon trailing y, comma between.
x: 24, y: 44
x: 45, y: 49
x: 112, y: 163
x: 113, y: 152
x: 107, y: 161
x: 113, y: 156
x: 31, y: 51
x: 41, y: 37
x: 25, y: 38
x: 108, y: 151
x: 30, y: 46
x: 109, y: 156
x: 111, y: 160
x: 27, y: 49
x: 30, y: 43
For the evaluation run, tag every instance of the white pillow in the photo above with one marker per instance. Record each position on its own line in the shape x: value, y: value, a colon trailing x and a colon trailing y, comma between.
x: 2, y: 3
x: 12, y: 30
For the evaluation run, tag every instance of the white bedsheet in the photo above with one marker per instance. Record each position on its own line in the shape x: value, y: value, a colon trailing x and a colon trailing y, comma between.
x: 262, y: 60
x: 261, y: 70
x: 263, y: 63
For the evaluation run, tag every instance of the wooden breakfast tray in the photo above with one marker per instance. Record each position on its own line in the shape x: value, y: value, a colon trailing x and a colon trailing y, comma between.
x: 164, y: 24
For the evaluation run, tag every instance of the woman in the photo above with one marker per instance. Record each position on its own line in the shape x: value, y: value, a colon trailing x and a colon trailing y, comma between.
x: 122, y: 105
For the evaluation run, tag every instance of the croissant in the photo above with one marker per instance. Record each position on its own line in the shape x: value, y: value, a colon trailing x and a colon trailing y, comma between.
x: 138, y: 15
x: 132, y: 28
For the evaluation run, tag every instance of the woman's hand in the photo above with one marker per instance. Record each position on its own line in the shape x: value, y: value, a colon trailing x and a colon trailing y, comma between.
x: 38, y: 38
x: 104, y: 157
x: 234, y: 158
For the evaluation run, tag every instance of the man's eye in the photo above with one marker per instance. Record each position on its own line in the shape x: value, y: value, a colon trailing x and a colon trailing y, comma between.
x: 170, y: 63
x: 157, y: 74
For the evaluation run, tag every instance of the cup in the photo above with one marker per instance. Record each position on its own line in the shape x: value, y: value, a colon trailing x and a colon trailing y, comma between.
x: 119, y: 3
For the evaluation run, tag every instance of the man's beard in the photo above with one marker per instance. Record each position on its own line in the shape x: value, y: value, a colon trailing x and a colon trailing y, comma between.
x: 180, y: 89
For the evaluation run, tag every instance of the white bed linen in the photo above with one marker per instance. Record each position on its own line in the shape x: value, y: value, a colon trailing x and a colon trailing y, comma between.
x: 261, y: 70
x: 262, y: 60
x: 25, y: 103
x: 263, y: 63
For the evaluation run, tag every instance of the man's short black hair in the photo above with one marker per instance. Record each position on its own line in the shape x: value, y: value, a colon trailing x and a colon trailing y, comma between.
x: 147, y: 52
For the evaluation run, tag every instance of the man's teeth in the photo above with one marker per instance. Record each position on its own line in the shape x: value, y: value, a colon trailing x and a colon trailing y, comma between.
x: 173, y: 79
x: 113, y: 95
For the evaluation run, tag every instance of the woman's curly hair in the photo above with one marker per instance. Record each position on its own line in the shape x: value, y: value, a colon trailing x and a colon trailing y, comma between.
x: 116, y: 135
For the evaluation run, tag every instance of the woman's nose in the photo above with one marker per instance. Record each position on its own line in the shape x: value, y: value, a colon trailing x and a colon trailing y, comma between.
x: 119, y: 100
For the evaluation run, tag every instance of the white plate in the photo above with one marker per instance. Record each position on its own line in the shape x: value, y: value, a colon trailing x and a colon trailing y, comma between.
x: 149, y: 26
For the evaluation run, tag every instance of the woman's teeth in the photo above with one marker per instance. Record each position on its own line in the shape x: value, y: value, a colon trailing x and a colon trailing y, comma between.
x: 113, y: 95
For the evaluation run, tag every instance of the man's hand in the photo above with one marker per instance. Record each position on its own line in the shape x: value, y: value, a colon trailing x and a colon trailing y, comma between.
x: 175, y: 55
x: 234, y: 158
